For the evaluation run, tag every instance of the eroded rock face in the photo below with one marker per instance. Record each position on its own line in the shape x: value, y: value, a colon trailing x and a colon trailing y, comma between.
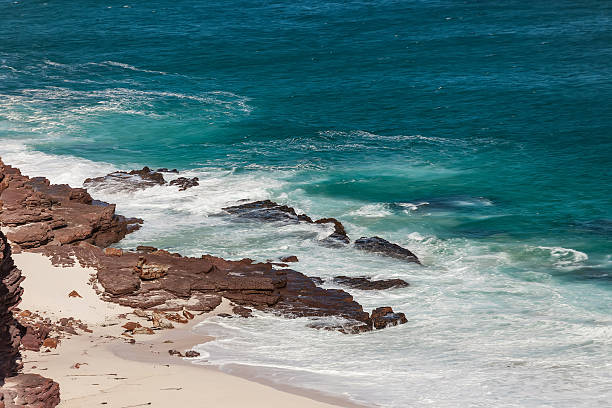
x: 364, y: 283
x: 40, y: 213
x: 384, y: 247
x: 269, y: 211
x: 30, y: 390
x: 10, y: 297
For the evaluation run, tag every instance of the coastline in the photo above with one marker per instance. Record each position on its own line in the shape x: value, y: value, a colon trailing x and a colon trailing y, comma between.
x: 104, y: 368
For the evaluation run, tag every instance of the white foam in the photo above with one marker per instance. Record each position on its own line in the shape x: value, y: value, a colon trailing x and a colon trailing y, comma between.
x: 372, y: 211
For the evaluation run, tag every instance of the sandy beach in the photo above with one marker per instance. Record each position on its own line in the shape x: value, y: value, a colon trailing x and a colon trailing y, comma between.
x: 105, y: 368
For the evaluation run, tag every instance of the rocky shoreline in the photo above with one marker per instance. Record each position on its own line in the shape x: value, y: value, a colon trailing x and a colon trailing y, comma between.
x: 67, y: 225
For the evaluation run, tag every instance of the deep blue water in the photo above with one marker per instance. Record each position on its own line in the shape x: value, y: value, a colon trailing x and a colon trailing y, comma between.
x: 456, y: 128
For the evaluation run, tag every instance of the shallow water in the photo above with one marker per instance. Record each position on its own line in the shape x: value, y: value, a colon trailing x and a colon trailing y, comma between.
x: 477, y: 135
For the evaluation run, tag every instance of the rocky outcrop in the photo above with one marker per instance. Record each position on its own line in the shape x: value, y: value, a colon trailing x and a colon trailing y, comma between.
x: 364, y: 283
x: 269, y: 211
x: 17, y: 390
x: 198, y: 284
x: 39, y: 213
x: 10, y: 297
x: 384, y: 247
x: 29, y: 391
x: 140, y: 179
x: 133, y: 180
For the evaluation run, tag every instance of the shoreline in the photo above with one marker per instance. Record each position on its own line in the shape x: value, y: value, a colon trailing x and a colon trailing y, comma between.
x: 104, y: 368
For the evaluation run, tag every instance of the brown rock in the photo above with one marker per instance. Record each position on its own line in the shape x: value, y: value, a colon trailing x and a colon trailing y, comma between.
x: 291, y: 258
x: 42, y: 213
x: 192, y: 354
x: 50, y: 343
x: 74, y: 294
x: 130, y: 326
x: 113, y: 251
x: 143, y: 330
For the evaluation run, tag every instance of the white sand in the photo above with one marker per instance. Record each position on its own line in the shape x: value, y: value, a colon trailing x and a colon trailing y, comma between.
x: 114, y: 373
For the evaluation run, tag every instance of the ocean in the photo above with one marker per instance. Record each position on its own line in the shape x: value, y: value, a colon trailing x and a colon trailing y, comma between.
x: 476, y: 134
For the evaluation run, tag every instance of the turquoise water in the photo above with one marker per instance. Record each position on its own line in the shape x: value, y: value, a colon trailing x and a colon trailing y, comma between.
x: 477, y: 134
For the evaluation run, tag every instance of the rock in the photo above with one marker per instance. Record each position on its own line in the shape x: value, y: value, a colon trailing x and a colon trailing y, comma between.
x: 130, y: 326
x: 128, y: 181
x: 339, y: 235
x: 175, y: 317
x: 50, y: 343
x: 317, y: 280
x: 113, y: 251
x: 192, y: 354
x: 31, y: 235
x: 30, y: 390
x: 10, y: 297
x: 165, y: 170
x: 74, y: 294
x: 34, y: 336
x: 384, y: 247
x: 184, y: 183
x: 188, y: 315
x: 291, y: 258
x: 242, y: 311
x: 383, y: 317
x: 146, y: 249
x: 200, y: 283
x: 175, y: 353
x: 150, y: 271
x: 143, y: 330
x: 39, y: 213
x: 364, y: 283
x: 160, y: 322
x: 269, y: 211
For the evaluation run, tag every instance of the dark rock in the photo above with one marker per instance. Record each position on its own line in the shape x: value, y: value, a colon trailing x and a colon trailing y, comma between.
x: 184, y: 183
x: 130, y: 181
x: 265, y: 211
x: 291, y: 258
x: 369, y: 284
x: 269, y: 211
x: 383, y: 317
x: 192, y: 354
x: 175, y: 353
x: 384, y: 247
x: 165, y: 170
x: 316, y: 280
x: 242, y: 311
x: 339, y: 234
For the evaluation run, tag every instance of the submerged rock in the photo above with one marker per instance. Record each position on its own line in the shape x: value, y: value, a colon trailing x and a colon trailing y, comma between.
x: 364, y: 283
x: 384, y: 247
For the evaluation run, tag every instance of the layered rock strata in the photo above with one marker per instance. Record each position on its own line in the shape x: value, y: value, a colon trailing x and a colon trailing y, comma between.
x: 36, y: 213
x: 175, y: 283
x: 17, y: 390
